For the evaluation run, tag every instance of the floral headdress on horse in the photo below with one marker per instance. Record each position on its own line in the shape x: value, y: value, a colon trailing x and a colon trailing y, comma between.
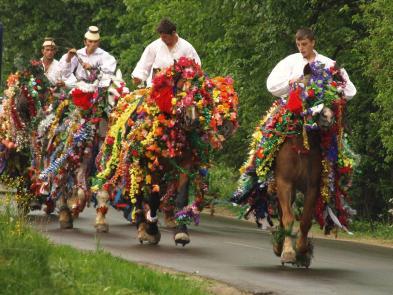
x: 26, y: 95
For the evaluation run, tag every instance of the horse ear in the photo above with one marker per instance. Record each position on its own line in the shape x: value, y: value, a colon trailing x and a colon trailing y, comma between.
x: 307, y: 70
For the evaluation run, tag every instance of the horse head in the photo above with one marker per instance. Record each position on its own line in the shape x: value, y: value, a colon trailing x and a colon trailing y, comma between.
x: 117, y: 88
x: 319, y: 90
x: 188, y: 117
x: 326, y: 118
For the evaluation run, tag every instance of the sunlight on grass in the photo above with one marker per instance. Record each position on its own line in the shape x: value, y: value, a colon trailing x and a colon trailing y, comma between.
x: 30, y: 264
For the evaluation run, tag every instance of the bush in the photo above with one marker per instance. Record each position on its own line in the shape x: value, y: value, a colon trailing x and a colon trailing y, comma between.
x: 222, y: 181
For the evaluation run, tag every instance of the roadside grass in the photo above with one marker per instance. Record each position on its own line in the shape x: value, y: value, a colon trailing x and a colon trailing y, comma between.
x: 30, y: 264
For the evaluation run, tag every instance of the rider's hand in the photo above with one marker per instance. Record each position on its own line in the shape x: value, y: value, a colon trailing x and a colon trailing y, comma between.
x: 86, y: 66
x: 70, y: 54
x: 136, y: 81
x: 60, y: 84
x: 295, y: 80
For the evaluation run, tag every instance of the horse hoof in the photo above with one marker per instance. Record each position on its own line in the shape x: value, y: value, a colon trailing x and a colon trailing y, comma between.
x: 303, y: 260
x: 156, y: 239
x: 288, y: 257
x: 65, y: 218
x: 149, y: 233
x: 182, y: 238
x: 102, y: 228
x: 277, y: 249
x: 181, y: 235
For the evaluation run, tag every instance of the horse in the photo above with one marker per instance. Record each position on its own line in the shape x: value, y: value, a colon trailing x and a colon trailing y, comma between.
x: 296, y: 148
x: 71, y: 138
x: 296, y: 168
x: 159, y: 140
x: 27, y: 96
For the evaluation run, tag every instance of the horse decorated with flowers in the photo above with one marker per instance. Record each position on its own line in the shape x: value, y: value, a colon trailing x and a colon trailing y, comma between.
x: 299, y: 145
x: 70, y: 137
x: 26, y: 101
x: 158, y: 145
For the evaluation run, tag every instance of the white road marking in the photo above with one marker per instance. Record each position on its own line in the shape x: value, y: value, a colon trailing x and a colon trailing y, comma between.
x: 246, y: 246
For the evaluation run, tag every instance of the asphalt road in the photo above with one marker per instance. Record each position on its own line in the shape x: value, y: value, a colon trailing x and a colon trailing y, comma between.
x: 237, y: 253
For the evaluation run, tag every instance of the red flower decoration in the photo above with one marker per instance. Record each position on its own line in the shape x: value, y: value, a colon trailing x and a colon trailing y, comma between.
x: 162, y: 93
x: 311, y: 93
x: 294, y: 103
x: 82, y: 99
x: 184, y: 62
x: 110, y: 140
x: 95, y: 120
x: 188, y: 73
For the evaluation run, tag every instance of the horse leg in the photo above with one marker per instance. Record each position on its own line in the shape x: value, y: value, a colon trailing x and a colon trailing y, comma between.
x: 304, y: 247
x: 285, y: 192
x: 148, y: 228
x: 278, y: 239
x: 140, y: 220
x: 65, y: 216
x: 102, y: 209
x: 168, y: 209
x: 78, y: 199
x: 306, y: 220
x: 181, y: 233
x: 169, y: 218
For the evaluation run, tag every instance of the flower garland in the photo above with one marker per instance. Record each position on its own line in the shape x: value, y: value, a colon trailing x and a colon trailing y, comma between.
x: 72, y: 135
x: 149, y: 131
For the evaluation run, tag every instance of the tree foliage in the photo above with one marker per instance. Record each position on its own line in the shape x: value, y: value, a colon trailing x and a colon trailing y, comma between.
x: 244, y: 39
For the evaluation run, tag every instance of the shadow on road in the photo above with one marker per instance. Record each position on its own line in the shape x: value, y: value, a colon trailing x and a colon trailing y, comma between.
x: 315, y: 273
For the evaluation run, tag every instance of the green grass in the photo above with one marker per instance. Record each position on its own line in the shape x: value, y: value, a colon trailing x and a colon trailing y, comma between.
x: 222, y: 181
x: 30, y: 264
x: 381, y: 231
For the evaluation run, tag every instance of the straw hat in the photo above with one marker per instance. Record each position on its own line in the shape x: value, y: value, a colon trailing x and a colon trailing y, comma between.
x: 92, y: 33
x: 48, y: 42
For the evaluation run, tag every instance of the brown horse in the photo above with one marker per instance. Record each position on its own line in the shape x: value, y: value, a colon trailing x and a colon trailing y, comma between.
x: 297, y: 168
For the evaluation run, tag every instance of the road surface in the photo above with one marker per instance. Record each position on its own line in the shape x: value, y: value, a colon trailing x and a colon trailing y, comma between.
x: 236, y: 252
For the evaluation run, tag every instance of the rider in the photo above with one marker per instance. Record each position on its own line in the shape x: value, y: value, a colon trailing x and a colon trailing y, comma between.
x: 82, y: 62
x: 290, y: 69
x: 162, y: 52
x: 50, y: 64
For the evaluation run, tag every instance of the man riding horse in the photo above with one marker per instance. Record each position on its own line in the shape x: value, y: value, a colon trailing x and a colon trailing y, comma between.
x: 158, y: 145
x: 158, y: 55
x: 77, y: 125
x: 291, y: 150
